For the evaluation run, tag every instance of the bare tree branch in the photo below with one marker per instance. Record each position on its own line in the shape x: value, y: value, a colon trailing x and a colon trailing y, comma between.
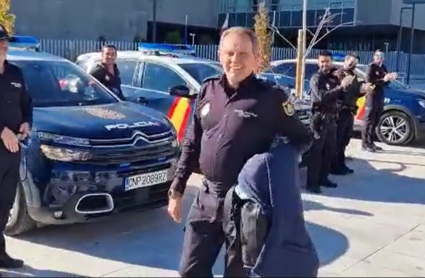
x: 274, y: 29
x: 327, y: 18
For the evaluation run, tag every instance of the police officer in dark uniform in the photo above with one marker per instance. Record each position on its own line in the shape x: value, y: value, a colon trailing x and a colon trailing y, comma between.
x: 347, y: 109
x: 107, y: 71
x: 15, y: 122
x: 236, y: 117
x: 378, y: 76
x: 326, y: 89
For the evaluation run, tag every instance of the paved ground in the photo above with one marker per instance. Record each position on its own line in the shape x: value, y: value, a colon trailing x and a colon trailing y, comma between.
x: 372, y: 225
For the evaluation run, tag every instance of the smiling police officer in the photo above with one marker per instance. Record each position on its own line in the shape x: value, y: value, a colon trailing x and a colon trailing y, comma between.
x: 15, y: 121
x: 107, y: 71
x: 236, y: 117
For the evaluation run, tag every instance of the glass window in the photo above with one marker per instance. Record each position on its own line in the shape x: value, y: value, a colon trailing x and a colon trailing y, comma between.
x: 288, y: 69
x: 201, y: 71
x: 61, y: 84
x: 127, y: 69
x: 160, y: 78
x: 310, y: 69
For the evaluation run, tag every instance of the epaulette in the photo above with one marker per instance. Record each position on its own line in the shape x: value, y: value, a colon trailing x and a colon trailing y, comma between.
x: 211, y: 78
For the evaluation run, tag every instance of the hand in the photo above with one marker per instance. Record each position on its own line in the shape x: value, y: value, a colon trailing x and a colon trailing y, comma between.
x: 347, y: 81
x: 24, y: 129
x: 394, y: 75
x: 388, y: 77
x: 175, y: 209
x: 10, y: 140
x: 368, y: 88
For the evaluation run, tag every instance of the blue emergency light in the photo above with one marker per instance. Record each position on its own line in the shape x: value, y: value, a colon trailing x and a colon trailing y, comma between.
x: 167, y: 48
x: 338, y: 56
x: 24, y: 42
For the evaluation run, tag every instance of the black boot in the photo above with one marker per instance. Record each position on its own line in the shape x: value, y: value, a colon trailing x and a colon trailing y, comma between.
x: 313, y: 189
x: 8, y: 262
x: 329, y: 184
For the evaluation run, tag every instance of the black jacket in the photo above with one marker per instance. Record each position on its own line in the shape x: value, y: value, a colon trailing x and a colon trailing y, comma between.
x: 15, y: 103
x: 348, y: 99
x: 325, y: 92
x: 112, y: 82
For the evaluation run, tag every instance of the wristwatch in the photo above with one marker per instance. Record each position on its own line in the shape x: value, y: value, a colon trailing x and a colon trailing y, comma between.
x: 172, y: 194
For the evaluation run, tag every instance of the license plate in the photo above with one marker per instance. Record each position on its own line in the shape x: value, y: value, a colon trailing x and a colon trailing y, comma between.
x: 146, y: 180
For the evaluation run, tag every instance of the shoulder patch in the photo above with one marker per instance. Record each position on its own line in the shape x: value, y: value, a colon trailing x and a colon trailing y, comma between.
x: 288, y: 107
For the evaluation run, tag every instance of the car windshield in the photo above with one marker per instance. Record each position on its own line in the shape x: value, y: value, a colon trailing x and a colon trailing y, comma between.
x: 52, y: 83
x: 201, y: 71
x: 396, y: 85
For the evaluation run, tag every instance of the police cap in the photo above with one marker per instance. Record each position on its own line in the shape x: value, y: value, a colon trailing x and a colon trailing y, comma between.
x: 3, y: 33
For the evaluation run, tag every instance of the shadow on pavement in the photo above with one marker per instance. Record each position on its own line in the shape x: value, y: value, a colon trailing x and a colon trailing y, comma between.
x: 28, y: 271
x: 311, y: 205
x: 379, y: 185
x: 151, y: 239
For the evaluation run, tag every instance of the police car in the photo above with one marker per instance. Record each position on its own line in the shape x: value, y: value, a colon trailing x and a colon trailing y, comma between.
x: 88, y: 154
x: 167, y: 78
x: 403, y: 119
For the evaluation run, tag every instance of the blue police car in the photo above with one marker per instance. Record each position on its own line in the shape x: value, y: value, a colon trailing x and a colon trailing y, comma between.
x: 89, y: 154
x: 403, y: 119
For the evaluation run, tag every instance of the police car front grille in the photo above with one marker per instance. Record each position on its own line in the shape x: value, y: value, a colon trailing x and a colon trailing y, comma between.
x: 132, y: 141
x: 148, y: 154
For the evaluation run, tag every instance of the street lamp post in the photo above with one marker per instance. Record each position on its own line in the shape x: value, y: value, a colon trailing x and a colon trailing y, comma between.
x: 399, y: 38
x: 193, y: 38
x: 154, y: 21
x: 412, y: 33
x: 304, y: 47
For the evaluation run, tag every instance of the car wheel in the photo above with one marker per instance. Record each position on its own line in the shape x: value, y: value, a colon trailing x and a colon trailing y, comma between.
x: 395, y: 128
x: 19, y: 219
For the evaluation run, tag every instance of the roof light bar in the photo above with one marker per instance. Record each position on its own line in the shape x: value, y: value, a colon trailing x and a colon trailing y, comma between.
x: 24, y: 42
x: 166, y: 48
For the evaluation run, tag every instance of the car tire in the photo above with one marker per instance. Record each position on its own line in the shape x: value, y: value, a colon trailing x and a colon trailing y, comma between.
x: 391, y: 122
x: 19, y: 221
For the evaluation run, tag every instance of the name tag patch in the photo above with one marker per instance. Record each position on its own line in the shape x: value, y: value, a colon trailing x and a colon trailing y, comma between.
x: 16, y: 85
x: 245, y: 114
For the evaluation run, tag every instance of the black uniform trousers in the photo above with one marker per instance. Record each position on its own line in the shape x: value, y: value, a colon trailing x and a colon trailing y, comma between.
x: 322, y: 153
x: 205, y: 235
x: 344, y: 130
x: 9, y: 178
x: 373, y: 112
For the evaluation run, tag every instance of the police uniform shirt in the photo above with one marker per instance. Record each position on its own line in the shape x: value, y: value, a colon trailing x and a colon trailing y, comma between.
x: 375, y: 74
x: 349, y: 98
x: 15, y: 103
x: 230, y: 126
x: 325, y: 91
x: 111, y: 81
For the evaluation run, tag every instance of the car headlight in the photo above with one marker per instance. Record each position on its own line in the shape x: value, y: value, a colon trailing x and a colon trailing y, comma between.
x: 421, y: 102
x: 64, y: 154
x: 60, y: 139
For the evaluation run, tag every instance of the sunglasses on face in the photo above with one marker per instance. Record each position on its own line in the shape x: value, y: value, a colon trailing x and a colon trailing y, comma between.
x: 380, y: 55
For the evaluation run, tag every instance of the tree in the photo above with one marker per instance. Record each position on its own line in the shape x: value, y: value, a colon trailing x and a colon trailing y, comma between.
x: 264, y: 38
x: 6, y: 18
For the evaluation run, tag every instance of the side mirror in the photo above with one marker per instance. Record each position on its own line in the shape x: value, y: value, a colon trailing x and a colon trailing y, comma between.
x: 179, y: 90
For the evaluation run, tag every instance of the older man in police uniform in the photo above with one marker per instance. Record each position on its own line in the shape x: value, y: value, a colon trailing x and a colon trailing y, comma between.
x: 236, y: 117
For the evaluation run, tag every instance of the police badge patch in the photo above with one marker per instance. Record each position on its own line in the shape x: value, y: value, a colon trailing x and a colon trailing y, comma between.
x: 288, y: 107
x: 205, y: 109
x: 105, y: 113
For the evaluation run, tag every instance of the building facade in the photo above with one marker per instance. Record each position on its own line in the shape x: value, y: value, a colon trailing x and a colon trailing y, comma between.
x: 112, y: 19
x: 367, y: 24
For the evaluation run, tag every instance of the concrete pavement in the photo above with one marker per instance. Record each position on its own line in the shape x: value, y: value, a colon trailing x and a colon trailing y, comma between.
x: 372, y: 225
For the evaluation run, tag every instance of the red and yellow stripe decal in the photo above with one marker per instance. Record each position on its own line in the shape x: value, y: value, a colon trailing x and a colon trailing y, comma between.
x: 361, y: 103
x: 179, y: 114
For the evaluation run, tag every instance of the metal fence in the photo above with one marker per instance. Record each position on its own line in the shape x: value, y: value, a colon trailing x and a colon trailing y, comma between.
x: 71, y: 49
